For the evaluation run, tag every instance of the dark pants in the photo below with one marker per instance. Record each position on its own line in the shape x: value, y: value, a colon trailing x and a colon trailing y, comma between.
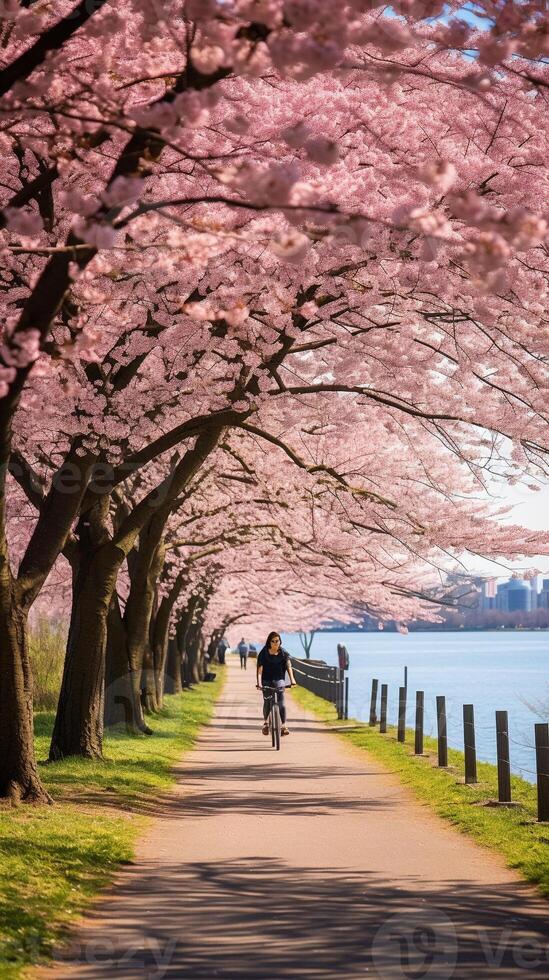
x: 243, y: 661
x: 280, y: 686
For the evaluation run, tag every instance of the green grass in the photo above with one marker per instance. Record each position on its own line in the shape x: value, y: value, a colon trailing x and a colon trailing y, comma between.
x: 513, y: 832
x: 54, y: 860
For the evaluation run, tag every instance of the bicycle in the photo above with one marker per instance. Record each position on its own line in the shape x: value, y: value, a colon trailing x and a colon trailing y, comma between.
x: 275, y: 724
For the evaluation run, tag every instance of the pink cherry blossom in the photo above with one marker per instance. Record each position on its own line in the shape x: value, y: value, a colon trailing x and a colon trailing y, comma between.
x: 275, y: 272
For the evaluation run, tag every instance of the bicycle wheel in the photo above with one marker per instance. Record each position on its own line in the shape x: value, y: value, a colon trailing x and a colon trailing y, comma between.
x: 276, y: 726
x: 272, y: 726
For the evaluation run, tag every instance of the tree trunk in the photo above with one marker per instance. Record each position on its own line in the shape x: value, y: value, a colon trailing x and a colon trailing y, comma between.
x: 159, y: 648
x: 145, y: 565
x: 159, y: 668
x: 19, y: 779
x: 151, y: 700
x: 173, y: 679
x: 213, y: 645
x: 307, y: 642
x: 181, y: 636
x: 156, y: 679
x: 148, y: 682
x: 192, y: 653
x: 122, y: 705
x: 195, y: 652
x: 164, y: 667
x: 159, y: 660
x: 78, y: 728
x: 159, y: 644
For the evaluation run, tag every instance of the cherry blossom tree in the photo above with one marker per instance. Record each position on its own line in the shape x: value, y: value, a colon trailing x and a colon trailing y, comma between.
x: 317, y: 231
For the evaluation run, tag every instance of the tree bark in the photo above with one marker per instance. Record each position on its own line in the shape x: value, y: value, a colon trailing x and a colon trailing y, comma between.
x: 78, y: 728
x: 145, y: 566
x: 164, y: 666
x: 158, y: 645
x: 119, y: 691
x: 182, y: 632
x: 122, y: 686
x: 195, y: 652
x: 139, y: 608
x: 213, y: 645
x: 19, y: 779
x: 307, y: 642
x: 173, y: 677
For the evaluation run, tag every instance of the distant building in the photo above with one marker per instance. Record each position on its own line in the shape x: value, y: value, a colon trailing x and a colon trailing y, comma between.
x: 519, y: 596
x: 489, y: 592
x: 543, y: 596
x: 502, y: 597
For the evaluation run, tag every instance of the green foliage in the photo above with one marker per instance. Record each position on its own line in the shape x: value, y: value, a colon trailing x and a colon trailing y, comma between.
x: 47, y: 642
x: 53, y: 860
x: 513, y: 832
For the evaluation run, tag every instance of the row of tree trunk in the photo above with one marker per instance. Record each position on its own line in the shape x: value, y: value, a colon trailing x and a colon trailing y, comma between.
x: 116, y: 654
x: 121, y: 662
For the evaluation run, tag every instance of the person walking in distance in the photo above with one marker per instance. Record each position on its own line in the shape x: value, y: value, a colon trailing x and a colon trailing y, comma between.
x: 273, y: 663
x: 222, y: 647
x: 243, y: 651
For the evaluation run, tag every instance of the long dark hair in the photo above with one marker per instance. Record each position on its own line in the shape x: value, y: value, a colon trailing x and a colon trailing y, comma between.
x: 271, y: 637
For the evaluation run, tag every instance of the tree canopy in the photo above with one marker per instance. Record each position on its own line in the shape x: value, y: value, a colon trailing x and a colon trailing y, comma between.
x: 274, y: 296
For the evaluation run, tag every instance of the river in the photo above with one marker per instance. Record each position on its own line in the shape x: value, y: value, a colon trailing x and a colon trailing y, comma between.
x: 491, y: 670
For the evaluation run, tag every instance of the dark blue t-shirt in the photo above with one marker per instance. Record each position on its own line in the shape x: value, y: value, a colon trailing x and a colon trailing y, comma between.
x: 274, y: 667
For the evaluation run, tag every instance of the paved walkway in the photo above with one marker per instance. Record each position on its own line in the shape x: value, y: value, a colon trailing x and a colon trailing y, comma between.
x: 310, y: 863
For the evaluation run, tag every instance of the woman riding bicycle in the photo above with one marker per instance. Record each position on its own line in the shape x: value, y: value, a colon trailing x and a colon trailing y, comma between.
x: 272, y: 663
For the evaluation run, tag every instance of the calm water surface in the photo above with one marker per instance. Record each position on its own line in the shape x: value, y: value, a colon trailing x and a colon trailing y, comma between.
x: 493, y: 671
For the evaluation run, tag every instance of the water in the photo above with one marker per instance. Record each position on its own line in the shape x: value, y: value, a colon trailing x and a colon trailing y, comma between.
x: 491, y: 670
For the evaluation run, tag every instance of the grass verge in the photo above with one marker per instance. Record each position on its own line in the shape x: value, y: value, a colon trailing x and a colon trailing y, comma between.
x: 513, y: 832
x: 54, y: 860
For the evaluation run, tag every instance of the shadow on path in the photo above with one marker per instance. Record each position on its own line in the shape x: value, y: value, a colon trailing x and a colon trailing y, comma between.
x: 258, y: 919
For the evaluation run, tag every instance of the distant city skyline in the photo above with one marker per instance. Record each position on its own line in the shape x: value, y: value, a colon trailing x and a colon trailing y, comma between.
x: 515, y: 595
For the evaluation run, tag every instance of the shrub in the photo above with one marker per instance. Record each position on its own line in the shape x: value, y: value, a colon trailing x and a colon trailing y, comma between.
x: 47, y: 642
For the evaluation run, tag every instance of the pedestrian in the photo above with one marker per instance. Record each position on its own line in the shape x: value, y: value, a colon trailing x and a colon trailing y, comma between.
x: 222, y: 647
x: 243, y: 651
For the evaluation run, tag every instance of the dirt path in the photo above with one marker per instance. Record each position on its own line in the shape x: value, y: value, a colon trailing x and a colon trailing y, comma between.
x: 309, y: 863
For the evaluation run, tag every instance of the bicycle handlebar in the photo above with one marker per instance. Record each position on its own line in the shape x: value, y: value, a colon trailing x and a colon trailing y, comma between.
x: 268, y: 687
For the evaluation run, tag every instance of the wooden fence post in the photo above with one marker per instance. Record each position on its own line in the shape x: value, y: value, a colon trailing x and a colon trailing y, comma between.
x: 401, y: 714
x: 542, y: 766
x: 418, y: 747
x: 383, y: 709
x: 340, y: 683
x: 504, y: 765
x: 469, y: 743
x: 373, y: 702
x: 441, y: 731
